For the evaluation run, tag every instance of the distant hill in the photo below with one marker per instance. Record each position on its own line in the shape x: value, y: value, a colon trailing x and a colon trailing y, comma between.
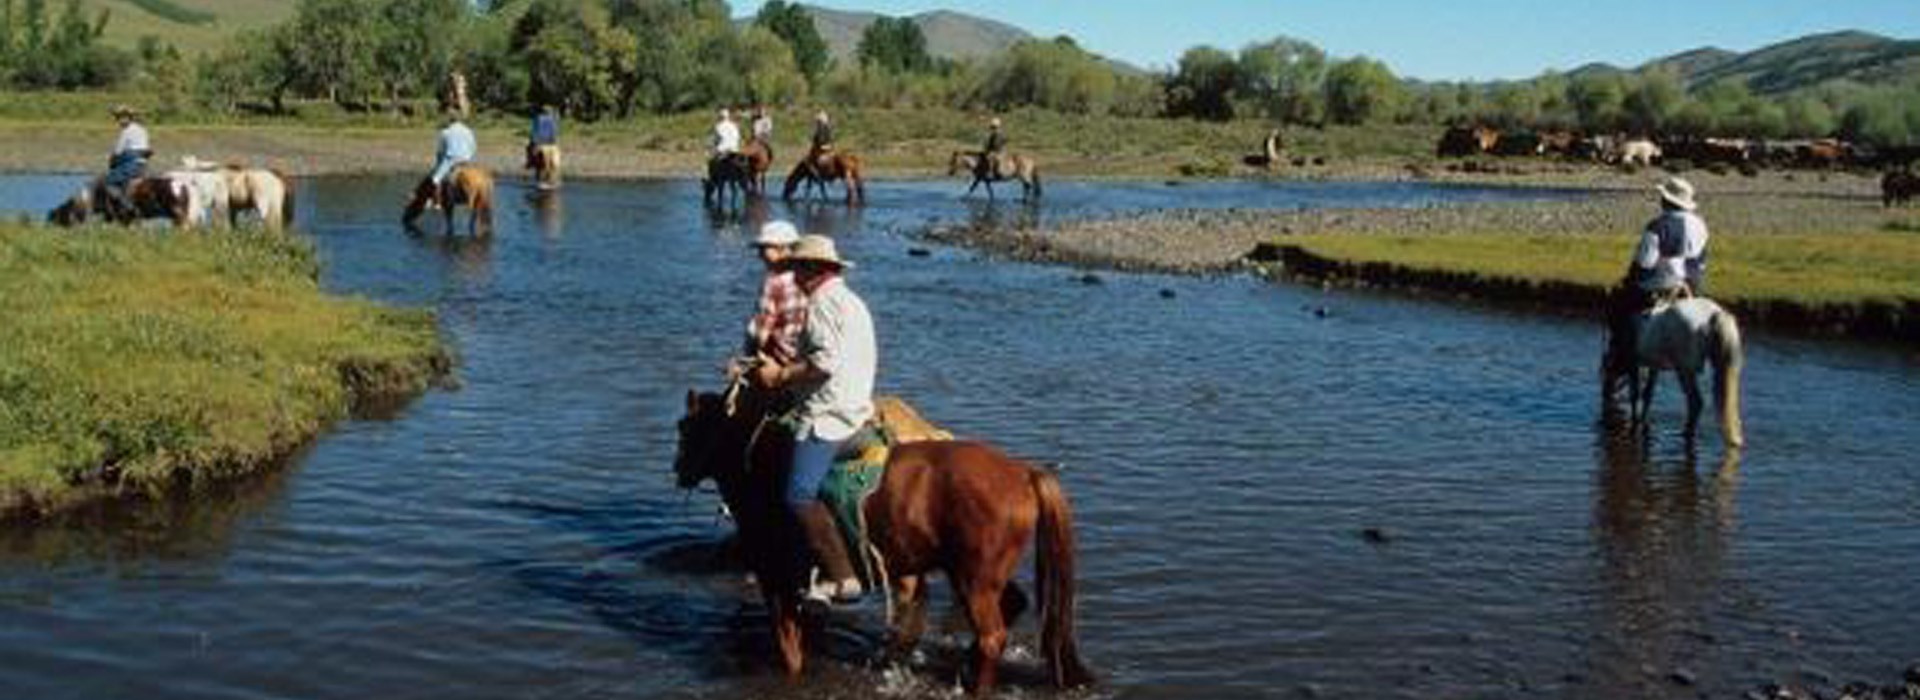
x: 1798, y: 64
x: 193, y: 26
x: 951, y: 35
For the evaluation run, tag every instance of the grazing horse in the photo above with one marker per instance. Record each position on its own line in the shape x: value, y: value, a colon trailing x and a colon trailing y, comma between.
x: 1639, y: 151
x: 1684, y: 336
x: 818, y: 171
x: 469, y: 185
x: 1897, y: 187
x: 152, y: 198
x: 728, y: 180
x: 266, y: 192
x: 1013, y: 166
x: 957, y: 507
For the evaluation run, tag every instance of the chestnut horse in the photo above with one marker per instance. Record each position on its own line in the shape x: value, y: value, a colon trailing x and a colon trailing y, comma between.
x: 759, y: 160
x: 958, y: 507
x: 818, y: 171
x: 469, y: 185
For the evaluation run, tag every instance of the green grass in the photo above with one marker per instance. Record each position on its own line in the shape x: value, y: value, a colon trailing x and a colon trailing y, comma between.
x: 193, y: 26
x: 1810, y: 269
x: 135, y: 359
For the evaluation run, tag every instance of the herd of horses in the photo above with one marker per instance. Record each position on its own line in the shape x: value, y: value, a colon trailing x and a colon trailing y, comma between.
x: 1618, y: 149
x: 730, y: 179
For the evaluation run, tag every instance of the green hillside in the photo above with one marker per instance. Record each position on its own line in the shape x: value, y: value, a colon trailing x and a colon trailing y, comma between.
x: 191, y: 25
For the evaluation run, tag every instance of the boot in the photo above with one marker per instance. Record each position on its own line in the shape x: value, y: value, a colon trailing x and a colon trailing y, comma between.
x: 823, y: 537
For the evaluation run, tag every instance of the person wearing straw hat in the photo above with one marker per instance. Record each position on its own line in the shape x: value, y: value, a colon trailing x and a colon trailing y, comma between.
x: 1669, y: 261
x: 833, y: 382
x: 128, y: 161
x: 990, y: 153
x: 773, y: 334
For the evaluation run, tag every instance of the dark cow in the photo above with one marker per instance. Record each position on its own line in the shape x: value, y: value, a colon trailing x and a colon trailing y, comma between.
x: 1519, y: 143
x: 1461, y: 141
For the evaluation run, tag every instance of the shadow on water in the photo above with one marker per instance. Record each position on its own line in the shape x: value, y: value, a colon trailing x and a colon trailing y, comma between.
x: 472, y: 256
x: 1662, y: 533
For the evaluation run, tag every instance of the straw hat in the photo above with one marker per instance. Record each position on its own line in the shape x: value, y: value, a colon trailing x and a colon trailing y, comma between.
x: 777, y: 233
x: 123, y: 110
x: 1678, y: 192
x: 816, y: 248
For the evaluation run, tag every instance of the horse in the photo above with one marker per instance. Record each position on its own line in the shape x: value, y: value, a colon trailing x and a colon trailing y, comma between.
x: 954, y: 506
x: 817, y: 171
x: 544, y: 161
x: 1640, y: 151
x: 151, y: 197
x: 759, y: 160
x: 1684, y: 336
x: 206, y: 195
x: 1023, y: 168
x: 1897, y: 187
x: 469, y: 185
x: 728, y: 179
x: 265, y: 191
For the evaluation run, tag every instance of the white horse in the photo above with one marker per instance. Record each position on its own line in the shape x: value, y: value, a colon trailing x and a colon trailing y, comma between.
x: 265, y: 192
x: 1684, y: 336
x: 207, y: 196
x: 1639, y: 151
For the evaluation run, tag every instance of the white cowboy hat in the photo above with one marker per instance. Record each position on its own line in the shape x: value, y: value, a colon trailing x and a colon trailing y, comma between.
x: 1677, y: 192
x: 814, y: 247
x: 777, y: 233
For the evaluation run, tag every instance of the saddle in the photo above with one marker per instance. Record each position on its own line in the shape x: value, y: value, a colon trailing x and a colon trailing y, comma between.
x: 861, y: 466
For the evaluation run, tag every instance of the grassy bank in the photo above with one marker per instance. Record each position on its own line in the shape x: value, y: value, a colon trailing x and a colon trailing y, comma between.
x: 131, y: 361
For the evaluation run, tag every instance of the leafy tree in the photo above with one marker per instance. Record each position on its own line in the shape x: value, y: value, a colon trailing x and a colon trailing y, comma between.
x: 894, y: 44
x: 247, y: 68
x: 1055, y: 75
x: 1361, y: 90
x: 1598, y: 102
x: 1202, y: 87
x: 1654, y: 99
x: 1284, y: 78
x: 575, y: 56
x: 1517, y: 105
x: 794, y: 25
x: 418, y: 45
x: 329, y: 49
x: 1807, y: 116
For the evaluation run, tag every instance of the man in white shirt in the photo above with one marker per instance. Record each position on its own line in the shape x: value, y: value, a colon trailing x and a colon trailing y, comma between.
x: 128, y: 161
x: 726, y: 135
x: 833, y: 381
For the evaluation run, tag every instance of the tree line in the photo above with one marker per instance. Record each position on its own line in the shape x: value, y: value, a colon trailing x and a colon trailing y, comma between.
x: 610, y: 59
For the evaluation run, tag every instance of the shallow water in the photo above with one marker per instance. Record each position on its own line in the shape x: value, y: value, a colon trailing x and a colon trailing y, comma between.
x: 1225, y: 449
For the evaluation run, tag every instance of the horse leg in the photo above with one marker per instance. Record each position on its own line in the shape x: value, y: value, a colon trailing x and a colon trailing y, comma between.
x: 1690, y: 383
x: 787, y: 633
x: 909, y: 614
x: 1644, y: 407
x: 989, y: 631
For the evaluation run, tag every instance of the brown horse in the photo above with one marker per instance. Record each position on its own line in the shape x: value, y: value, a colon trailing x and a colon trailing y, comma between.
x: 544, y: 161
x: 1013, y: 166
x: 958, y: 507
x: 152, y: 198
x: 759, y: 160
x: 818, y: 171
x: 469, y: 185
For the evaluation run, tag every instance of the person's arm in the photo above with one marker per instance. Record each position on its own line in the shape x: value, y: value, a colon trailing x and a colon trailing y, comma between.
x: 1647, y: 254
x: 824, y: 340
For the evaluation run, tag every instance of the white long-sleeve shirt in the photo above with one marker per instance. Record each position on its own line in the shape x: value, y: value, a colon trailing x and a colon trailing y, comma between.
x: 839, y: 340
x: 726, y: 138
x: 1665, y: 267
x: 133, y: 137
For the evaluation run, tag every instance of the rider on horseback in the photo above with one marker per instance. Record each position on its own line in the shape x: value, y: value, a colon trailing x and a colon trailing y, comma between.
x: 127, y: 163
x: 990, y: 154
x: 543, y: 141
x: 822, y: 144
x: 726, y: 137
x: 457, y: 147
x: 832, y: 381
x: 763, y: 129
x: 1670, y: 261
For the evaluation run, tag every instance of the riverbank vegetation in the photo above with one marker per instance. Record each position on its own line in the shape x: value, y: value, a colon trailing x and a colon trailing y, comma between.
x: 617, y: 59
x: 131, y: 362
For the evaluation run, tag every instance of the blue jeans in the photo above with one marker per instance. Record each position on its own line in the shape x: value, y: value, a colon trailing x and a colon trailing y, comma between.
x: 812, y: 459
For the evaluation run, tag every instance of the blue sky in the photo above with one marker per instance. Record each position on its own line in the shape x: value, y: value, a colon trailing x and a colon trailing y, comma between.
x: 1462, y: 39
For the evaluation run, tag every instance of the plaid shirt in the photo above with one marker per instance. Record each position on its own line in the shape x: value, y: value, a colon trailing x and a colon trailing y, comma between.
x: 775, y: 328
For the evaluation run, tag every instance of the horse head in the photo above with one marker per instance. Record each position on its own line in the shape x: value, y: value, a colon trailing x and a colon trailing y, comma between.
x: 703, y: 430
x: 957, y: 163
x: 74, y: 211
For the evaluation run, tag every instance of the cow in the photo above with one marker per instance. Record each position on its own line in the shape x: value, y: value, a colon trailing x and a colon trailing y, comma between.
x: 1463, y: 141
x: 1898, y: 187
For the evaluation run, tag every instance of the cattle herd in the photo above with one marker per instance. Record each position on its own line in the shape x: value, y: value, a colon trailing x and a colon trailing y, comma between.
x: 1898, y: 183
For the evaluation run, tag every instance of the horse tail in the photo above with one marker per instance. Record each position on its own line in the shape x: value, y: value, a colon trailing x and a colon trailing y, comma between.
x: 1036, y: 182
x: 1053, y: 569
x: 1727, y: 355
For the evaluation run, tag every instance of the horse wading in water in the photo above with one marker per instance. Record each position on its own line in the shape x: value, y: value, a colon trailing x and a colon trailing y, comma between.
x: 817, y: 172
x: 151, y: 197
x: 958, y: 507
x: 1684, y: 336
x: 468, y: 185
x: 1013, y: 166
x: 729, y: 179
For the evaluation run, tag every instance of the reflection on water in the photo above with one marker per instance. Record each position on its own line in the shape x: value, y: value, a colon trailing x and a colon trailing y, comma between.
x: 1662, y: 531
